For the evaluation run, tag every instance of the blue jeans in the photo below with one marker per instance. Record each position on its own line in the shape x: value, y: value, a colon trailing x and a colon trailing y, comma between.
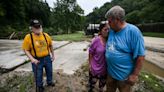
x: 38, y: 70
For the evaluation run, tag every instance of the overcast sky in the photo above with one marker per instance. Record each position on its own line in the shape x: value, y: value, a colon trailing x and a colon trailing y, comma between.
x: 86, y: 5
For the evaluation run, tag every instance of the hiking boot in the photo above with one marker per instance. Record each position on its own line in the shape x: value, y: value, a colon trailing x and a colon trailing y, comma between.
x: 40, y: 89
x: 51, y: 84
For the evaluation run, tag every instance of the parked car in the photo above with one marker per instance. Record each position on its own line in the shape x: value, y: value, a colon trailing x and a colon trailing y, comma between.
x: 93, y: 29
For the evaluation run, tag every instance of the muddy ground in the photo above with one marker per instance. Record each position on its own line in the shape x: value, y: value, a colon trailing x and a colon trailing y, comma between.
x: 77, y: 82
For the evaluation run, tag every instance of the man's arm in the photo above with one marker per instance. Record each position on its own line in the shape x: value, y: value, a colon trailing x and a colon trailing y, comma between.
x: 138, y: 66
x: 33, y: 60
x: 50, y: 44
x: 52, y: 53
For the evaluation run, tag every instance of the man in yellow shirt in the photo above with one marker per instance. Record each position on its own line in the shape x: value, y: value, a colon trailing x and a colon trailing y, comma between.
x: 38, y: 48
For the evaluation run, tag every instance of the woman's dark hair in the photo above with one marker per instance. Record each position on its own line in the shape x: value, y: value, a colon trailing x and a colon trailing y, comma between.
x: 102, y: 25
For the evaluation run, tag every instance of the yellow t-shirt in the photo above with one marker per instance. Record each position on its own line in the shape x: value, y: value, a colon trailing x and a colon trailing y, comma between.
x: 40, y: 44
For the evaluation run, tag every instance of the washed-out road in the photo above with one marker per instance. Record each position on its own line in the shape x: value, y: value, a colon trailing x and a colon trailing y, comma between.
x: 69, y: 55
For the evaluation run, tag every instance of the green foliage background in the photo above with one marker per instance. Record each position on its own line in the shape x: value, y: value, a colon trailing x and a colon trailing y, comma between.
x: 137, y: 11
x: 15, y: 15
x: 68, y: 17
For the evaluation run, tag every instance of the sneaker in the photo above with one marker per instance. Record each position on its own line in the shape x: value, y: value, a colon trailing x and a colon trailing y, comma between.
x: 51, y: 84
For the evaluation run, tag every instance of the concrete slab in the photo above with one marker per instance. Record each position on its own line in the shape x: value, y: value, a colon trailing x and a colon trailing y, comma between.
x: 58, y: 44
x: 71, y: 57
x: 26, y: 67
x: 155, y: 51
x: 156, y: 58
x: 154, y: 44
x: 68, y: 58
x: 12, y: 56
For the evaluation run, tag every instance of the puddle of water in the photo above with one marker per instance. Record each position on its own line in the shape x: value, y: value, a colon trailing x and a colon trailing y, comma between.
x: 152, y: 68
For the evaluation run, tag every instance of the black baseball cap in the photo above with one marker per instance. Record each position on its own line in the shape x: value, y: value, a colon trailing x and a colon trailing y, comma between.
x: 35, y: 23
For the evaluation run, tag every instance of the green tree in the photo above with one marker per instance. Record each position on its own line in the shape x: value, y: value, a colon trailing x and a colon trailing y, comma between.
x: 137, y: 11
x: 67, y: 16
x: 133, y: 17
x: 16, y: 14
x: 38, y: 9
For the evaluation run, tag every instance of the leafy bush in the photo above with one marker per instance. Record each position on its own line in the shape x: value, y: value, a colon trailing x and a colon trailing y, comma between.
x: 6, y: 31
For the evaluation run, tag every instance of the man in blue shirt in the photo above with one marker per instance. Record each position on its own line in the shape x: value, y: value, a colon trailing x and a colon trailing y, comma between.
x: 125, y: 52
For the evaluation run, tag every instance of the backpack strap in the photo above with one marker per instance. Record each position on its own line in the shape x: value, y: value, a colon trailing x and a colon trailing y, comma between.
x: 46, y: 42
x: 33, y: 44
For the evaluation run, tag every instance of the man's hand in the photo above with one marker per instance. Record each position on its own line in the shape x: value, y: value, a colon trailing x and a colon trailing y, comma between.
x: 132, y: 79
x: 134, y: 76
x: 35, y: 61
x: 52, y: 58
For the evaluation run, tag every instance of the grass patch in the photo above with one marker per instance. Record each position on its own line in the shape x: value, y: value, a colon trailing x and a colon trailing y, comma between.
x: 78, y: 36
x: 18, y: 82
x: 147, y: 82
x: 150, y: 83
x: 151, y: 34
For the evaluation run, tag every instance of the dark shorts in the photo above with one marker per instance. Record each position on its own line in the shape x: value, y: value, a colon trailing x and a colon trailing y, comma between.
x: 113, y: 84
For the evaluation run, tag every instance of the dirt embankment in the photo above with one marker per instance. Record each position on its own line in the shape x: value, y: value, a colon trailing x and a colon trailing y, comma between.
x: 24, y: 82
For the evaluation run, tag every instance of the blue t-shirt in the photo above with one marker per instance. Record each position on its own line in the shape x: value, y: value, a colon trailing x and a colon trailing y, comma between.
x: 122, y: 49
